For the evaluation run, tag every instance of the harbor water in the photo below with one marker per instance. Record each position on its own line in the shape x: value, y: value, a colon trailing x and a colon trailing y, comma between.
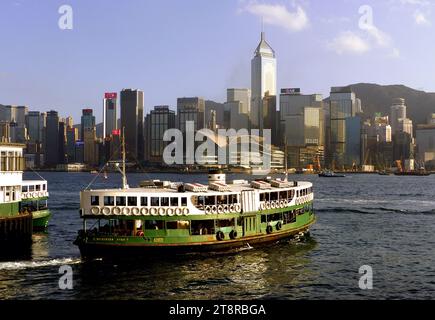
x: 385, y: 222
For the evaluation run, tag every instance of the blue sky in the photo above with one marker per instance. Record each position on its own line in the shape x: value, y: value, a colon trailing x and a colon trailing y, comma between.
x: 174, y: 48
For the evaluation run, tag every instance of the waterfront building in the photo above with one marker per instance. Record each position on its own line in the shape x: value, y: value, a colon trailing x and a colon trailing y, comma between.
x: 240, y: 94
x: 191, y: 109
x: 110, y: 120
x: 132, y: 122
x: 161, y: 119
x: 63, y: 157
x: 352, y: 156
x: 51, y: 147
x: 397, y: 112
x: 87, y: 121
x: 72, y: 136
x: 263, y: 79
x: 342, y: 104
x: 90, y: 146
x: 302, y: 127
x: 219, y: 109
x: 425, y: 139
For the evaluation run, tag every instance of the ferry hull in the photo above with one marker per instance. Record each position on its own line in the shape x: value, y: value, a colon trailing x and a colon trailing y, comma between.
x: 40, y: 220
x: 92, y: 250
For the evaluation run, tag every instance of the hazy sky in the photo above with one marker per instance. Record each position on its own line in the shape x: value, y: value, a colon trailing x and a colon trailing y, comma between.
x: 176, y: 48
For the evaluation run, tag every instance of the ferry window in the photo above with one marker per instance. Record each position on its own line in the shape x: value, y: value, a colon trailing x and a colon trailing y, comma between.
x: 178, y: 225
x: 292, y: 193
x: 210, y: 201
x: 225, y: 223
x: 38, y: 187
x: 44, y: 187
x: 24, y: 189
x: 132, y: 201
x: 164, y: 202
x: 184, y: 202
x: 155, y: 202
x: 297, y: 193
x: 144, y: 201
x: 233, y: 198
x: 109, y: 201
x: 267, y: 194
x: 262, y: 197
x: 174, y: 202
x: 283, y: 195
x: 274, y: 196
x: 95, y: 200
x: 31, y: 188
x: 120, y: 201
x: 154, y: 224
x: 202, y: 227
x: 222, y: 199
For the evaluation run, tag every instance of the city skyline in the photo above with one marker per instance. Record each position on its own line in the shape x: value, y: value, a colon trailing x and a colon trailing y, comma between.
x: 72, y: 73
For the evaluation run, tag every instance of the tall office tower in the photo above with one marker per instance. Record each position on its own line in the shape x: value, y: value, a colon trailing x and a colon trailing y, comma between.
x: 110, y: 120
x: 397, y: 112
x: 51, y: 147
x: 161, y: 119
x: 219, y: 108
x: 33, y: 124
x: 425, y: 137
x: 5, y: 135
x: 405, y: 125
x: 72, y: 136
x: 212, y: 124
x: 87, y: 121
x: 90, y: 146
x: 191, y: 109
x: 268, y: 120
x: 16, y: 117
x: 263, y: 78
x: 237, y: 109
x: 62, y: 142
x: 353, y: 131
x: 342, y: 103
x: 69, y: 122
x: 302, y: 127
x: 132, y: 121
x: 242, y: 95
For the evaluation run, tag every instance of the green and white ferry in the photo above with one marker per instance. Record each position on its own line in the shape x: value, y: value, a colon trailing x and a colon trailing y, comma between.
x: 162, y: 216
x: 23, y: 203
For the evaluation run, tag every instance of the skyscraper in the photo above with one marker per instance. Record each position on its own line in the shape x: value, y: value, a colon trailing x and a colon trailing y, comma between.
x: 263, y: 78
x: 398, y: 111
x: 191, y: 109
x: 110, y: 120
x: 87, y: 121
x: 132, y: 121
x: 51, y: 147
x: 161, y: 119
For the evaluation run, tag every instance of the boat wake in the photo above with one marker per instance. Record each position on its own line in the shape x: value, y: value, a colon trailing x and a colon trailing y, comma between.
x: 370, y: 210
x: 20, y: 265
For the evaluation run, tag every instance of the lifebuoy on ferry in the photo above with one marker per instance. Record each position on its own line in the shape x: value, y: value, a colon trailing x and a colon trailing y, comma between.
x: 285, y: 203
x: 226, y: 209
x: 140, y: 233
x: 135, y: 211
x: 214, y: 209
x: 269, y: 229
x: 34, y: 194
x: 95, y: 210
x: 279, y: 226
x: 207, y: 210
x: 23, y: 196
x: 262, y: 206
x: 116, y: 211
x: 144, y: 211
x: 106, y: 211
x: 170, y: 212
x: 281, y: 204
x: 220, y: 236
x: 238, y: 207
x: 178, y: 211
x: 162, y: 212
x: 232, y: 209
x: 153, y: 211
x: 220, y: 209
x: 185, y: 211
x: 126, y: 211
x: 273, y: 205
x: 233, y: 234
x: 267, y: 205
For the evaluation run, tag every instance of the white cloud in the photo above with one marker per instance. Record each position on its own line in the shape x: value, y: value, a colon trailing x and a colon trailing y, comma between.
x: 421, y: 19
x: 381, y: 38
x: 279, y: 15
x: 349, y: 42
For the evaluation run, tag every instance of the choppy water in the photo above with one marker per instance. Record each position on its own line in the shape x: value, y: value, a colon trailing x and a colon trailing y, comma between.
x: 386, y: 222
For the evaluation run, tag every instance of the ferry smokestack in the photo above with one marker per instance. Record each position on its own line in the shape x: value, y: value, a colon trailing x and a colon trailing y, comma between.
x: 216, y: 176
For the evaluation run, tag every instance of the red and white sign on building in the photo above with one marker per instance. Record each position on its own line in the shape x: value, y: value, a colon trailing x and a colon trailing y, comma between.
x: 110, y: 95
